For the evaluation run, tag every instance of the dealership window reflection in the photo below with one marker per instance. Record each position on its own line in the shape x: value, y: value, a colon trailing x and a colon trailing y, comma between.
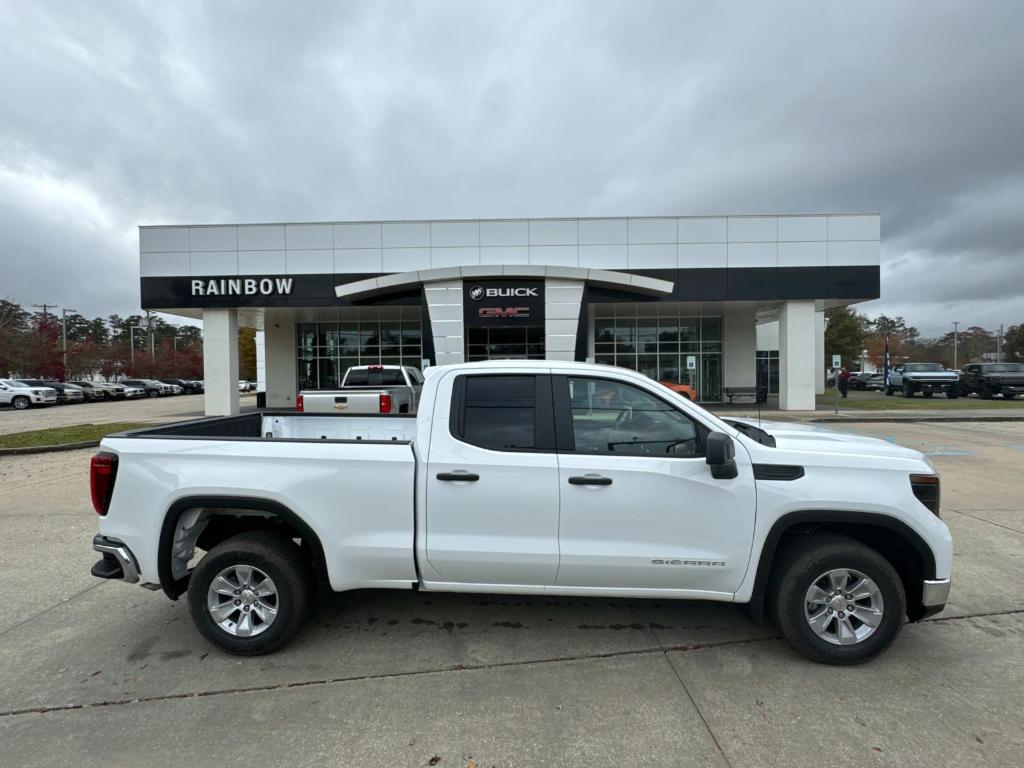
x: 326, y: 350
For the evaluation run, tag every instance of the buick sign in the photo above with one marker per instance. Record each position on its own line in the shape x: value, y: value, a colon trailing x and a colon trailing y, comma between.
x: 476, y: 293
x: 503, y: 302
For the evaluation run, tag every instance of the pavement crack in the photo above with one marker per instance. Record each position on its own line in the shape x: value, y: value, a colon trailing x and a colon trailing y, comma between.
x: 45, y: 611
x: 990, y: 522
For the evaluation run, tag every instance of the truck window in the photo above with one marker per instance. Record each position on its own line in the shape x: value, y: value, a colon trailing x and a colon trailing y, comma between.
x: 374, y: 377
x: 503, y: 412
x: 611, y: 417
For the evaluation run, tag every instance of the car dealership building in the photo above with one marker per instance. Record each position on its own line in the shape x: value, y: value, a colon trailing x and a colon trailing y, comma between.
x: 717, y: 302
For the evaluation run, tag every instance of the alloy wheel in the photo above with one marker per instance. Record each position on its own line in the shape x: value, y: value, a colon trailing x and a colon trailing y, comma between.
x: 843, y: 606
x: 243, y: 600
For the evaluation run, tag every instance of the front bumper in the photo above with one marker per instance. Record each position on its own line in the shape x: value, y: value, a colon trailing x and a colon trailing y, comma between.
x: 118, y: 561
x: 934, y: 595
x: 934, y: 385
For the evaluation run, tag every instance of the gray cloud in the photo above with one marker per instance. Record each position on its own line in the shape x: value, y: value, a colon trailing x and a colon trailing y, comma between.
x: 126, y: 113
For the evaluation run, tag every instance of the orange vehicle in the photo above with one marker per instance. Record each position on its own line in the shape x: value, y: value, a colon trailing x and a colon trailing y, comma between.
x: 687, y: 391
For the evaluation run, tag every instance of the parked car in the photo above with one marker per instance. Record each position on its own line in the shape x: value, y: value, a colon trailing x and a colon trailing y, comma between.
x: 22, y: 396
x: 66, y: 393
x: 686, y: 390
x: 875, y: 381
x: 149, y: 386
x: 859, y: 380
x: 987, y: 380
x: 926, y: 378
x: 246, y: 386
x: 187, y: 387
x: 538, y: 477
x: 367, y: 389
x: 91, y: 393
x: 131, y: 392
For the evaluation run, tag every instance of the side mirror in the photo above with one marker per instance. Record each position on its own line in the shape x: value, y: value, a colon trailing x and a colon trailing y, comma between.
x: 721, y: 456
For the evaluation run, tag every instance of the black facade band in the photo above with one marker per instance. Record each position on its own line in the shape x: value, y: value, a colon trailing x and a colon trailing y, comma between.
x: 716, y: 284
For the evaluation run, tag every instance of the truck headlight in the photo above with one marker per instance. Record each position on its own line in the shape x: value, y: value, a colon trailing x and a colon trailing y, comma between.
x: 926, y: 489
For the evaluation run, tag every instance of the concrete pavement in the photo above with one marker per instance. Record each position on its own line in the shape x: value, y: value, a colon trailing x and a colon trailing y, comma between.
x: 95, y: 673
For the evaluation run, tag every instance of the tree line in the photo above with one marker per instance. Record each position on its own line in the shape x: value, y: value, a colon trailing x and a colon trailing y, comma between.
x: 32, y: 346
x: 849, y: 333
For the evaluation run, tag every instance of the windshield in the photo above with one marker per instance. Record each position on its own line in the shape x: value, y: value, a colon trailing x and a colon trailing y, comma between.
x: 923, y: 368
x: 374, y: 377
x: 1003, y: 368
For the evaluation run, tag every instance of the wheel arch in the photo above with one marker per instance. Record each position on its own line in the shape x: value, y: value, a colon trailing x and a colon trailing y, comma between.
x: 173, y: 587
x: 903, y: 547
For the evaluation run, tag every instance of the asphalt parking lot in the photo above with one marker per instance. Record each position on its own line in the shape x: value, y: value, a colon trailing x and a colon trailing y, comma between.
x: 96, y: 673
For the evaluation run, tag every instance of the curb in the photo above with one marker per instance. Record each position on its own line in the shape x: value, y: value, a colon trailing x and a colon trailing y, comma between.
x: 911, y: 419
x: 48, y: 448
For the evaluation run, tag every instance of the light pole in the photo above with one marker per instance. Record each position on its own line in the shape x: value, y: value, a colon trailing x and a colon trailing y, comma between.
x: 131, y: 337
x: 176, y: 337
x: 64, y: 335
x: 956, y: 325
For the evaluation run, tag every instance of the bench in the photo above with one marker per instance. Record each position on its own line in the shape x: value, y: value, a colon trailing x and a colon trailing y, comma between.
x: 759, y: 394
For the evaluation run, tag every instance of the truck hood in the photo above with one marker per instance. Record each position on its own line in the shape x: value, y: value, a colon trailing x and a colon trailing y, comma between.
x: 817, y: 439
x: 932, y: 375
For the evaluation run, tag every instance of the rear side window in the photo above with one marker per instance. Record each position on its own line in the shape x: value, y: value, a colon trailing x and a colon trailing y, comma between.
x: 503, y: 413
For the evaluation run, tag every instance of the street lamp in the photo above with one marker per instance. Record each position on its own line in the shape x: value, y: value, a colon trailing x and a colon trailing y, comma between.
x: 956, y: 325
x: 131, y: 337
x: 64, y: 335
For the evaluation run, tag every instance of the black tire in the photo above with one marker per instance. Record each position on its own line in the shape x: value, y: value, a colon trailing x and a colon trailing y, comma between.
x: 21, y: 403
x: 152, y: 393
x: 986, y: 393
x: 889, y: 391
x: 927, y: 394
x: 1009, y: 395
x: 806, y: 559
x: 278, y: 557
x: 908, y: 391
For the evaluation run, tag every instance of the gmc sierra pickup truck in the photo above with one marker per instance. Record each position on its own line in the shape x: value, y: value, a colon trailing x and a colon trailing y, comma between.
x: 367, y: 389
x: 535, y: 477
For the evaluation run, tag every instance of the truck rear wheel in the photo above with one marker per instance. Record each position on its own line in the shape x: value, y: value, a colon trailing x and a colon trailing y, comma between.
x: 908, y: 391
x: 837, y: 601
x: 250, y: 594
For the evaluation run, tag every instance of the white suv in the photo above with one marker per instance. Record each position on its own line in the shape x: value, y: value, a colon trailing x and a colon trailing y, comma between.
x: 22, y: 396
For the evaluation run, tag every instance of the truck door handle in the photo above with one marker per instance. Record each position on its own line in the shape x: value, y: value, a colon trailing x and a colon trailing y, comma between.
x: 465, y: 477
x: 590, y: 480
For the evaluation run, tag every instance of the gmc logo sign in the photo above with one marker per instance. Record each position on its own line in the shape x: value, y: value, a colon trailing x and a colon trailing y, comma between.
x: 503, y: 312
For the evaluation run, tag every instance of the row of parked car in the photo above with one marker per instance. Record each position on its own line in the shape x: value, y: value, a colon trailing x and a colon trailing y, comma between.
x: 986, y: 380
x: 23, y: 394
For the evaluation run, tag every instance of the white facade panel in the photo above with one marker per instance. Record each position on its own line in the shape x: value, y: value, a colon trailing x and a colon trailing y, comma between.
x: 304, y: 237
x: 602, y: 231
x: 558, y: 255
x: 309, y: 262
x: 553, y: 232
x: 261, y: 237
x: 454, y: 233
x: 163, y: 239
x: 795, y: 228
x: 867, y: 227
x: 652, y: 256
x: 504, y: 254
x: 358, y: 260
x: 753, y: 255
x: 854, y: 253
x: 604, y: 256
x: 701, y: 255
x: 406, y: 234
x: 405, y: 259
x: 262, y: 263
x: 504, y: 233
x: 652, y: 231
x: 163, y: 264
x: 709, y: 229
x: 213, y: 238
x: 753, y: 229
x: 462, y: 256
x: 803, y: 254
x: 357, y: 235
x: 213, y: 263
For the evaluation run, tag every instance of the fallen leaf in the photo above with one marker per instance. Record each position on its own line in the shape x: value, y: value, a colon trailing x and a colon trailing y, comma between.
x: 434, y: 760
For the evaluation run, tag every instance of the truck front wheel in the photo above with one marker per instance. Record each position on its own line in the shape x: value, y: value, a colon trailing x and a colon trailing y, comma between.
x: 250, y: 593
x: 837, y: 601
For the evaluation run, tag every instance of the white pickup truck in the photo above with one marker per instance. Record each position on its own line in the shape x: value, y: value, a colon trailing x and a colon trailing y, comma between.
x: 367, y: 389
x: 536, y: 477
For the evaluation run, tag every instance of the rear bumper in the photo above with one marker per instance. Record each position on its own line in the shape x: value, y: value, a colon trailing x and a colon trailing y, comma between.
x: 118, y: 561
x: 934, y: 595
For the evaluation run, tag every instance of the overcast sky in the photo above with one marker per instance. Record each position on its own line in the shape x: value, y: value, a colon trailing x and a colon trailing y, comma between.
x: 119, y: 114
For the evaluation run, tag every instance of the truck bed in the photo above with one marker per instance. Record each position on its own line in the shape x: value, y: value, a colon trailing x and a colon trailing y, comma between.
x: 287, y: 425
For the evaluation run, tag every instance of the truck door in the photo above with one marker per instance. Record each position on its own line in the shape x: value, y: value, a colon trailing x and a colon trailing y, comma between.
x: 639, y: 507
x: 492, y: 481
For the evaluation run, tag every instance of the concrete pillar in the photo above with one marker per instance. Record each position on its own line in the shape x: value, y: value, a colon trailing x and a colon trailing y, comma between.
x: 444, y: 303
x: 562, y: 302
x: 280, y: 358
x: 220, y: 361
x: 796, y: 356
x: 819, y: 353
x: 739, y: 348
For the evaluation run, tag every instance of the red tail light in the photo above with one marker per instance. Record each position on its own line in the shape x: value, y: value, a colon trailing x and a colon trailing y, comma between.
x: 385, y: 403
x: 102, y: 474
x: 299, y: 404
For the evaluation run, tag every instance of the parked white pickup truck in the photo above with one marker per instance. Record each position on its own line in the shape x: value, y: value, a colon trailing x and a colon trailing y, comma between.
x: 367, y: 389
x: 536, y: 477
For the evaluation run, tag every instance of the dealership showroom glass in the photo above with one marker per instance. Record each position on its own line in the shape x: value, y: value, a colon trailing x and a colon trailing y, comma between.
x: 716, y: 302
